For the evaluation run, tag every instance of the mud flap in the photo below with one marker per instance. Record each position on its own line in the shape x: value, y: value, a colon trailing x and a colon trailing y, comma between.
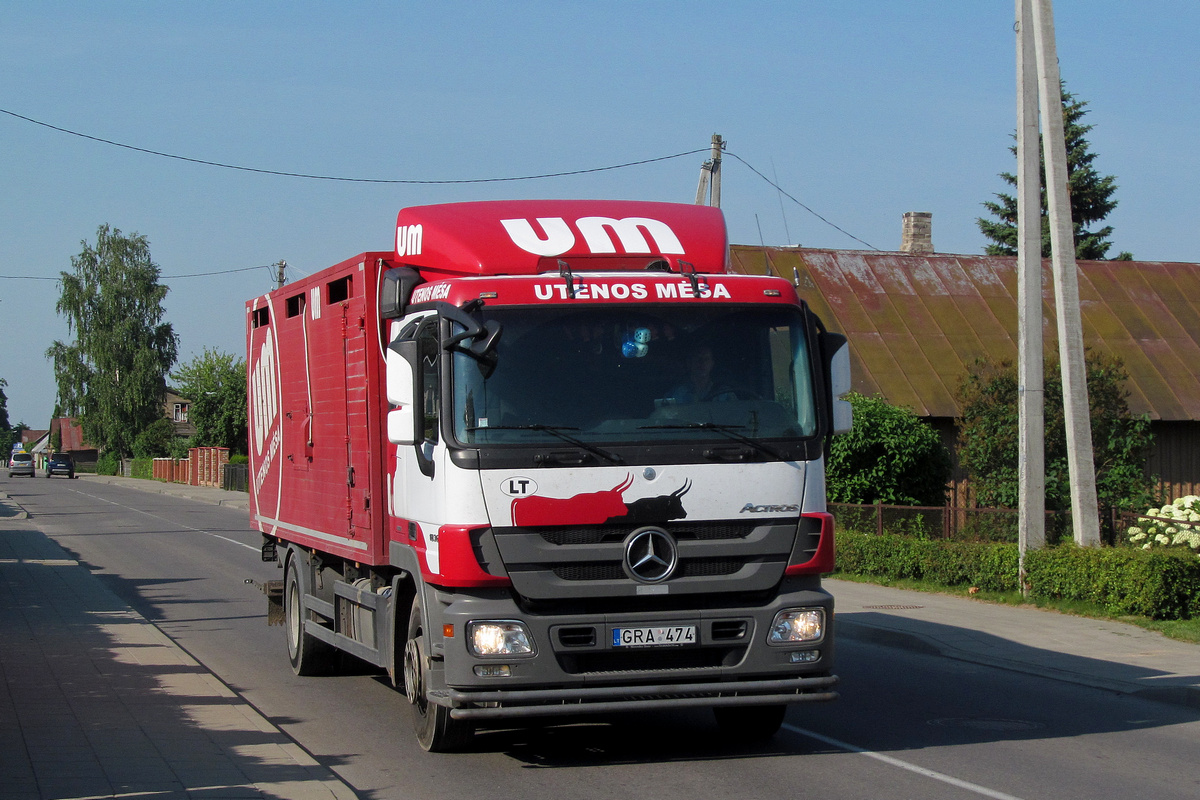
x: 274, y: 592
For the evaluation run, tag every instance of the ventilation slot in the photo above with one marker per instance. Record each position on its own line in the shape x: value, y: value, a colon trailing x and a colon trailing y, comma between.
x: 577, y: 637
x: 730, y: 630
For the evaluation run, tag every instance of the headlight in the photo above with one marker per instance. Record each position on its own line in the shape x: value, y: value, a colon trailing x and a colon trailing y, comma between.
x: 797, y: 625
x: 499, y: 638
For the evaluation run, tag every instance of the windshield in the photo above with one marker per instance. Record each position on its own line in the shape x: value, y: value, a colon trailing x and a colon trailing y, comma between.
x: 648, y: 374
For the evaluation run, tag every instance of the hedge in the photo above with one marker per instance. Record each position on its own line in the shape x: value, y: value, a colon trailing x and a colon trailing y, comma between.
x: 142, y: 468
x: 1159, y: 584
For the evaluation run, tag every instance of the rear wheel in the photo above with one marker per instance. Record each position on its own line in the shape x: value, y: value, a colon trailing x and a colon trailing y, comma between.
x: 308, y: 654
x: 437, y: 731
x: 749, y: 723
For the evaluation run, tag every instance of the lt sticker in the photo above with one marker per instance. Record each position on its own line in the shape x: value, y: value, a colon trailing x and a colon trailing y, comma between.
x: 519, y: 487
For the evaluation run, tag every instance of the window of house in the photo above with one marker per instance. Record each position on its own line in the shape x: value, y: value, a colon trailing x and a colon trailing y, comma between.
x: 181, y: 412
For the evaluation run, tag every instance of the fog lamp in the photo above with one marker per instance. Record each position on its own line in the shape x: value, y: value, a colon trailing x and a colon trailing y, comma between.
x: 493, y: 670
x: 797, y: 625
x: 499, y: 638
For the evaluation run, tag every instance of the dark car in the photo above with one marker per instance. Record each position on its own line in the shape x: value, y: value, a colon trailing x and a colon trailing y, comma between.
x: 60, y: 464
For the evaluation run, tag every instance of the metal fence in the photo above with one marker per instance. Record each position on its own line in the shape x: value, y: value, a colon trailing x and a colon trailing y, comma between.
x: 943, y: 522
x: 235, y: 477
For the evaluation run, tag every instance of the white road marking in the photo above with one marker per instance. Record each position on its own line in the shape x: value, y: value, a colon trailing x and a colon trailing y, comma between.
x: 895, y: 762
x: 168, y: 521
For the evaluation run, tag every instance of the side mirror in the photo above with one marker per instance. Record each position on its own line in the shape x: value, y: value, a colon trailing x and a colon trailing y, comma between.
x: 401, y: 363
x: 395, y: 289
x: 837, y: 363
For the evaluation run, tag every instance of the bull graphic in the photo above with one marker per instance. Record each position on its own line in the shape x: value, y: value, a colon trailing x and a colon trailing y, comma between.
x: 589, y: 508
x: 655, y: 509
x: 598, y: 508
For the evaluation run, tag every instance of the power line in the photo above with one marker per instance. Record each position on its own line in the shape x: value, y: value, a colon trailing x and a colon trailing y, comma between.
x: 797, y: 202
x: 219, y: 272
x: 282, y: 173
x: 163, y: 277
x: 339, y: 178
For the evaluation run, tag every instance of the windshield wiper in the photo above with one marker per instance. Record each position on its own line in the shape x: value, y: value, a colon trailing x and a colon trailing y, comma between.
x: 728, y: 430
x: 554, y: 430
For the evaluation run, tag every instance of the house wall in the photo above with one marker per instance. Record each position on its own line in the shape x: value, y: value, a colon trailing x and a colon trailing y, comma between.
x: 1175, y: 458
x: 1173, y: 461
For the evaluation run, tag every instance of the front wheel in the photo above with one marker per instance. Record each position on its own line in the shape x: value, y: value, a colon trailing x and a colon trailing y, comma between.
x: 749, y: 723
x: 437, y: 731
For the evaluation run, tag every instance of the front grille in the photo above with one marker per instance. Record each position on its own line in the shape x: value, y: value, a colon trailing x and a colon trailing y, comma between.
x: 589, y: 572
x: 599, y: 534
x: 582, y: 562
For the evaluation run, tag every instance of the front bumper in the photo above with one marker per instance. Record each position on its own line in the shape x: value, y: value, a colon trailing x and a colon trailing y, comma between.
x: 574, y: 672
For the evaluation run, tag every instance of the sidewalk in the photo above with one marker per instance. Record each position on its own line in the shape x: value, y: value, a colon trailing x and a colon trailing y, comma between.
x: 1104, y: 654
x: 97, y: 702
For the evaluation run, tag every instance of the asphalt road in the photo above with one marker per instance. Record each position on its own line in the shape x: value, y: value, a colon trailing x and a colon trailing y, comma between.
x: 909, y: 725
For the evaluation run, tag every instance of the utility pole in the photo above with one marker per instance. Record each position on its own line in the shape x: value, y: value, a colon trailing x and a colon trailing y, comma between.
x: 1085, y: 513
x: 280, y: 277
x: 1031, y: 470
x: 710, y: 176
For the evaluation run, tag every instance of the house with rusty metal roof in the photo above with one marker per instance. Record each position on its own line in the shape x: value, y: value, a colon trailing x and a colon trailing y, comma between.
x: 917, y: 320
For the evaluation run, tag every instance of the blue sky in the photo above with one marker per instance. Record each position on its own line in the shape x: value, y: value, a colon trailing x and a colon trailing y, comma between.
x: 861, y: 111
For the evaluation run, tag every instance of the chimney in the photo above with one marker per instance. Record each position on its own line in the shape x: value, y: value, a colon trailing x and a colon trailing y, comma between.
x: 917, y: 234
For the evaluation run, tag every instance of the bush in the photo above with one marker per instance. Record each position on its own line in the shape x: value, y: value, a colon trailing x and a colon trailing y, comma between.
x: 1155, y: 584
x: 142, y: 468
x: 1186, y: 532
x: 988, y: 566
x: 890, y: 456
x: 108, y: 464
x: 1159, y: 584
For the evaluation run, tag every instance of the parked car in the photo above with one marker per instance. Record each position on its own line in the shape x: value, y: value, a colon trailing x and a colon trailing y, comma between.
x: 60, y: 464
x: 20, y: 464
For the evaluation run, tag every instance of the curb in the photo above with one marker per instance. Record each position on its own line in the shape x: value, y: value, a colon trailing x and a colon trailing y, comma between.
x: 1188, y: 696
x: 10, y: 509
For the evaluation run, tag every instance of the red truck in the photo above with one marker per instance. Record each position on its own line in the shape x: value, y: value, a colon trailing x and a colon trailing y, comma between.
x: 550, y: 458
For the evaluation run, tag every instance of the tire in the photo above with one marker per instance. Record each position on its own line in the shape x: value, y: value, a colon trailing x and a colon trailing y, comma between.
x: 436, y: 730
x: 749, y: 723
x: 308, y: 654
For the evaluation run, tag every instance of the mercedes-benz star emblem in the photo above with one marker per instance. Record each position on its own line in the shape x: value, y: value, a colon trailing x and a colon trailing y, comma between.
x: 650, y: 555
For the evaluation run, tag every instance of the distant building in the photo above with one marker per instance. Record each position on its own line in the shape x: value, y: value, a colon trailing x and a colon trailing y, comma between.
x: 177, y: 409
x: 70, y: 440
x: 917, y: 320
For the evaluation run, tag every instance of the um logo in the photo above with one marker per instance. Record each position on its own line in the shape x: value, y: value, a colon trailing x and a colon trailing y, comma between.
x: 408, y: 240
x: 600, y: 234
x: 264, y: 399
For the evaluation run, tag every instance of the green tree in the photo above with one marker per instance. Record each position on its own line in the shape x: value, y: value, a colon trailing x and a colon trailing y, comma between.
x: 890, y: 456
x: 156, y: 440
x: 6, y: 434
x: 113, y: 375
x: 988, y: 440
x: 1091, y: 196
x: 215, y: 383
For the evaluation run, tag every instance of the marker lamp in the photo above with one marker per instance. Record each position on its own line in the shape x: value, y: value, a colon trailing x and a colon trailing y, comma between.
x: 499, y: 638
x: 797, y: 625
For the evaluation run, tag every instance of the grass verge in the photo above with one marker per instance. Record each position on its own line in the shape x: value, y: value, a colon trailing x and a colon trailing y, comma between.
x: 1184, y: 630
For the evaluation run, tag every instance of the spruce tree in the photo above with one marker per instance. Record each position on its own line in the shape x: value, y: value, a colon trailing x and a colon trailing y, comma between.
x: 1091, y: 196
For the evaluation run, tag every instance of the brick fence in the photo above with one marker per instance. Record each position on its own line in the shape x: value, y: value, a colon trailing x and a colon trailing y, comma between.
x: 202, y: 467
